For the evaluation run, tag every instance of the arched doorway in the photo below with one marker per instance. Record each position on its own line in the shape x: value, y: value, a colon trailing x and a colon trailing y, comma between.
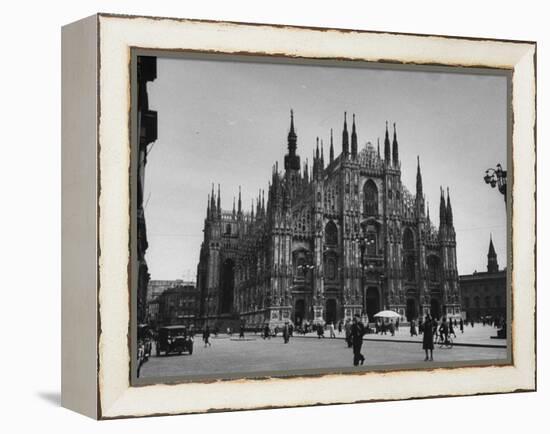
x: 330, y: 310
x: 373, y: 302
x: 299, y: 311
x: 435, y: 308
x: 412, y: 309
x: 227, y: 284
x: 370, y: 198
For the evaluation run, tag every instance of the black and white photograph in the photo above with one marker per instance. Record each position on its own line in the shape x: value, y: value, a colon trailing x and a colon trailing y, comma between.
x: 275, y: 217
x: 299, y: 217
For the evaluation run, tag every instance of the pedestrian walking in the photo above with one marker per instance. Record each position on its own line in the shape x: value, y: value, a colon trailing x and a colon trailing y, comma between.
x: 241, y: 332
x: 347, y: 328
x: 331, y: 330
x: 286, y: 333
x: 397, y: 325
x: 290, y: 329
x: 267, y: 332
x: 206, y: 337
x: 357, y: 332
x: 451, y: 328
x: 428, y: 338
x: 340, y: 325
x: 444, y: 330
x: 413, y: 328
x: 320, y: 331
x: 392, y: 328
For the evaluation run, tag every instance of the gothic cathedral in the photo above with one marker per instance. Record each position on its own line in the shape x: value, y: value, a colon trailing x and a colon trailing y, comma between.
x: 331, y: 241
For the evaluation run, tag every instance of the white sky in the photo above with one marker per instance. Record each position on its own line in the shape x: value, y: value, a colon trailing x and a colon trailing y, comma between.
x: 227, y: 122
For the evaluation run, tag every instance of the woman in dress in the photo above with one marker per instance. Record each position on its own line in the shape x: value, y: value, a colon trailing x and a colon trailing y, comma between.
x: 428, y: 339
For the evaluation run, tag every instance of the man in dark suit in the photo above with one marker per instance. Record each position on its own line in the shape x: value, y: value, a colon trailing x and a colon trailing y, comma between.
x: 357, y: 332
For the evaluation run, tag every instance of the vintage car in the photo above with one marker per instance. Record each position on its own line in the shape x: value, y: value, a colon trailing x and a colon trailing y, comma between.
x: 174, y: 339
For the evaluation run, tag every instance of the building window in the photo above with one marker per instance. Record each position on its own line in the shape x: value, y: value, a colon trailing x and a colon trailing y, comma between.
x: 476, y: 302
x: 433, y: 268
x: 371, y: 244
x: 330, y: 267
x: 300, y: 264
x: 408, y: 239
x: 487, y: 301
x: 331, y: 233
x: 410, y: 272
x: 370, y: 198
x: 466, y: 302
x: 228, y: 229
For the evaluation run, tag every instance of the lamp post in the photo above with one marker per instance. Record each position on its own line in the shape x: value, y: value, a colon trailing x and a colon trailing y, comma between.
x: 497, y: 177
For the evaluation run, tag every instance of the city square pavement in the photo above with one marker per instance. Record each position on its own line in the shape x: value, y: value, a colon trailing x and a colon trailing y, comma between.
x: 229, y: 355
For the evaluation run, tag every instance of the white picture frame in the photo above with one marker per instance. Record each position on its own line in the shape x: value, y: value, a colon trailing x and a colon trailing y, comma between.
x: 96, y: 220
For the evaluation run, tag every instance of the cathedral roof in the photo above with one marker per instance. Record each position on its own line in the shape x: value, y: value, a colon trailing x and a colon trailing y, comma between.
x: 369, y: 157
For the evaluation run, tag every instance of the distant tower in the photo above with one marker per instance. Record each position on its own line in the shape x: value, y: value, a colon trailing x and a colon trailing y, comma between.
x: 292, y: 160
x: 492, y: 264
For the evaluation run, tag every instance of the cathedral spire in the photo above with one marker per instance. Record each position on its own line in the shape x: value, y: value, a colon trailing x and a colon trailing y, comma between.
x: 387, y: 155
x: 239, y: 204
x: 442, y: 210
x: 492, y: 264
x: 234, y: 210
x: 449, y: 209
x: 317, y: 148
x: 292, y: 138
x: 219, y: 206
x: 428, y: 214
x: 353, y: 139
x: 208, y: 207
x: 378, y: 147
x: 263, y: 202
x: 306, y: 172
x: 395, y: 152
x: 292, y: 160
x: 212, y: 202
x: 345, y: 137
x: 252, y: 209
x: 331, y: 152
x: 419, y: 191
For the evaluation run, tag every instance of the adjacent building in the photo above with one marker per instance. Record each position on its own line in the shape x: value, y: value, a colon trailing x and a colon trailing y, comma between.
x: 177, y: 305
x: 147, y: 133
x: 484, y: 293
x: 157, y: 287
x: 341, y: 237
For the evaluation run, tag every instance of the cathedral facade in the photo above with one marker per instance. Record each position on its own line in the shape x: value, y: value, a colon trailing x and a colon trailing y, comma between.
x: 340, y: 238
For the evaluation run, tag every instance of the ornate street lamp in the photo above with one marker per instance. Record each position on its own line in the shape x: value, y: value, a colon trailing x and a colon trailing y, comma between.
x: 497, y: 177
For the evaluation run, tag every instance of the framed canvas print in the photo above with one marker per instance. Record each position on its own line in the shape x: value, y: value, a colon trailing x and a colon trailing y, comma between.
x: 260, y: 216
